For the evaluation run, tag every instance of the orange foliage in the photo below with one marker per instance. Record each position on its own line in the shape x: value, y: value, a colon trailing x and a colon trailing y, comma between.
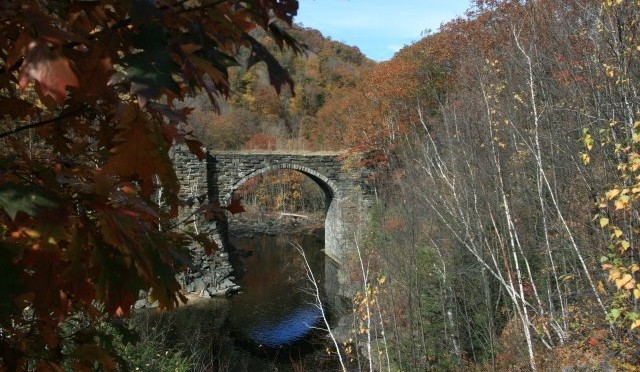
x: 261, y: 141
x: 373, y: 114
x: 393, y: 224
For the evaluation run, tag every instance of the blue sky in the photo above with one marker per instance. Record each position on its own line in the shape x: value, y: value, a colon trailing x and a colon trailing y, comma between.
x: 378, y: 27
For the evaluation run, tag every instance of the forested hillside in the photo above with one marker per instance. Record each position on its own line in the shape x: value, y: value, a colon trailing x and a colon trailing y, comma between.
x: 255, y: 116
x: 506, y: 232
x: 506, y: 145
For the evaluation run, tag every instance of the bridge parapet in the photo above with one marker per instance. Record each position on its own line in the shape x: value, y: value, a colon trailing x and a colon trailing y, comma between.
x: 229, y: 170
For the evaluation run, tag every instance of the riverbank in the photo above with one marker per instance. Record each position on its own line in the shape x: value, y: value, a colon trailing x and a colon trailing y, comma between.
x: 251, y: 224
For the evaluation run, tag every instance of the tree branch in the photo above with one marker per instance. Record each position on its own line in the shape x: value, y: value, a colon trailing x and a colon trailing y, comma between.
x: 43, y: 122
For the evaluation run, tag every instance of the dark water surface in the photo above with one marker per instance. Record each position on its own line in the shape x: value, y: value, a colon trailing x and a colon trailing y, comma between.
x: 277, y: 306
x: 275, y: 322
x: 272, y: 324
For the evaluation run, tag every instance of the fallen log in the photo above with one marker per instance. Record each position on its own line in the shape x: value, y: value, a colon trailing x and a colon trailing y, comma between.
x: 294, y: 215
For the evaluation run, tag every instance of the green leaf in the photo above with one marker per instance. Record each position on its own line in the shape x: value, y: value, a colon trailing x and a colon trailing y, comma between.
x: 151, y: 69
x: 16, y: 198
x: 614, y: 314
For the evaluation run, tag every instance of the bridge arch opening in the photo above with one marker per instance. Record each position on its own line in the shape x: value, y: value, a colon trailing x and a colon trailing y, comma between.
x: 279, y: 264
x: 332, y: 211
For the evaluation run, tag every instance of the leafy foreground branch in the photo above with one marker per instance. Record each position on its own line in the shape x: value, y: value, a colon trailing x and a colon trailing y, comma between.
x: 88, y: 95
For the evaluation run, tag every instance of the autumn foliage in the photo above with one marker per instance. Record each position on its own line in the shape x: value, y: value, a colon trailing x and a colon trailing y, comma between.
x: 507, y: 224
x: 88, y: 194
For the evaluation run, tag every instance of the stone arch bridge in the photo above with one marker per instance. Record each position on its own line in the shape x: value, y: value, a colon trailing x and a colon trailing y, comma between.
x: 348, y: 196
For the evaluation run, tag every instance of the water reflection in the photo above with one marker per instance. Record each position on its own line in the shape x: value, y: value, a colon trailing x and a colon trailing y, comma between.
x: 287, y: 330
x: 277, y: 305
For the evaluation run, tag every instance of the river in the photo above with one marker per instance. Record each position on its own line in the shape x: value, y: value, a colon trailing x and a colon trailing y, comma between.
x: 273, y: 323
x: 277, y: 306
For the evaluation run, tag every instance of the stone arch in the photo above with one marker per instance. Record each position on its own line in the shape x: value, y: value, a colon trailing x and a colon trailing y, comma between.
x: 333, y: 224
x: 328, y: 186
x: 348, y: 194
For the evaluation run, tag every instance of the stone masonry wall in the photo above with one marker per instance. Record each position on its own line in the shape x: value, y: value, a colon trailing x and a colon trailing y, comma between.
x: 220, y: 174
x: 209, y: 275
x: 347, y: 193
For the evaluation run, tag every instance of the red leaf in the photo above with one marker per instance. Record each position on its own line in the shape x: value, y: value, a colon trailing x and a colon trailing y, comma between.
x: 140, y: 153
x: 49, y: 68
x: 170, y: 132
x: 207, y: 243
x: 45, y: 29
x: 94, y: 68
x: 235, y: 207
x: 195, y: 147
x: 19, y: 49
